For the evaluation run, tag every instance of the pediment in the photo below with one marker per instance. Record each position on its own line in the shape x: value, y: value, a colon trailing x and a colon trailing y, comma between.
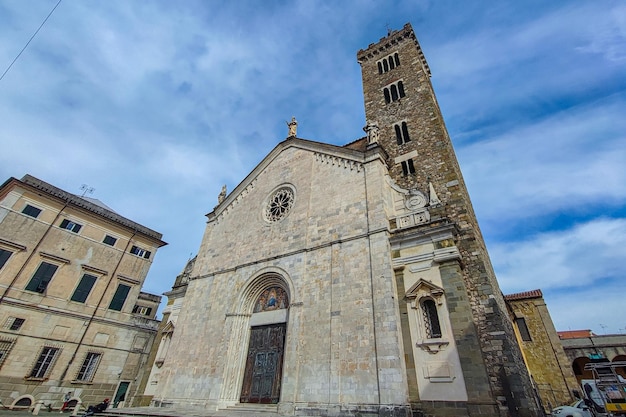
x: 339, y: 156
x: 168, y: 328
x: 424, y: 288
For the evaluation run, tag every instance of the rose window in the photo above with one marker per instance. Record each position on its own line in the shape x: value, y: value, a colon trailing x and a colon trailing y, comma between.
x: 279, y: 204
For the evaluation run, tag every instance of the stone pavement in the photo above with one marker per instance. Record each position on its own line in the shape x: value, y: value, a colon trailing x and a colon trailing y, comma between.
x: 258, y: 411
x: 252, y: 411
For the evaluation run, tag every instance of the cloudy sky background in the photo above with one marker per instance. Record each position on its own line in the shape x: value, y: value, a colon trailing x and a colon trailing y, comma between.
x: 156, y: 104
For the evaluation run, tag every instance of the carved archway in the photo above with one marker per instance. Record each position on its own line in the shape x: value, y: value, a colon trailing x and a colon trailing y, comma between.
x: 263, y: 301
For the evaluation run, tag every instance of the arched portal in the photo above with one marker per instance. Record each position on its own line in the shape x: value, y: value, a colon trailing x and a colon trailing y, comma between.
x: 264, y: 362
x: 258, y: 328
x: 621, y: 370
x: 578, y: 366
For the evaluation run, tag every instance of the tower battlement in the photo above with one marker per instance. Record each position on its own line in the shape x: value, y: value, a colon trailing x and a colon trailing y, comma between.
x: 377, y: 50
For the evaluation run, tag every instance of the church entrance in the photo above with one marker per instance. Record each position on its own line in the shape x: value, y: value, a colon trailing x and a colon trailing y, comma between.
x: 264, y: 365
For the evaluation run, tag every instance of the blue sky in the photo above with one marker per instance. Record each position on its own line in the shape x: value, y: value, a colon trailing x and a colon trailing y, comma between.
x: 157, y: 104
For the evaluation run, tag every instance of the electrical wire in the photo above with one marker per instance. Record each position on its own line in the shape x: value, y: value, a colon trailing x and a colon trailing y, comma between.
x: 31, y: 38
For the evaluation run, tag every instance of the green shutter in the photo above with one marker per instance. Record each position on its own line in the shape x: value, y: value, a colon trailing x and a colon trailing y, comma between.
x: 39, y: 281
x: 120, y: 296
x: 84, y: 288
x: 4, y: 257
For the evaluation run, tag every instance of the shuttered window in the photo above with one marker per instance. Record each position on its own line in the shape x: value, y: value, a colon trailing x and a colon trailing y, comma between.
x: 31, y: 211
x: 39, y: 282
x: 119, y: 298
x: 84, y: 288
x: 4, y: 257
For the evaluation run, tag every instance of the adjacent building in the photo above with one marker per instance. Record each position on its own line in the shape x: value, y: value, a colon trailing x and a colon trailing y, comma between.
x: 584, y: 346
x: 73, y: 318
x: 544, y: 355
x: 348, y: 280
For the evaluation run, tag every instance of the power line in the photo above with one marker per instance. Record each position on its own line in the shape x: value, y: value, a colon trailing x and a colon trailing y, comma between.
x: 31, y: 38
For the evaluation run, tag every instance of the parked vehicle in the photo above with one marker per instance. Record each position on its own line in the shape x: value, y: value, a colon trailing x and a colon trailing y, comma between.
x: 576, y: 409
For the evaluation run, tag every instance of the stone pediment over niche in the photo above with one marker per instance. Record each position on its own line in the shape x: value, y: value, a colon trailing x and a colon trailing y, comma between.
x: 168, y: 328
x: 423, y: 288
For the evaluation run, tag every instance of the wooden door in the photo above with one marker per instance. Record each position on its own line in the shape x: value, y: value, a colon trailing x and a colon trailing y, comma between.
x: 262, y: 378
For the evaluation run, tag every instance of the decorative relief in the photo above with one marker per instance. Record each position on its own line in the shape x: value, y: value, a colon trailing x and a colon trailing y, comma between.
x: 413, y: 219
x: 415, y: 200
x: 337, y: 161
x: 273, y: 298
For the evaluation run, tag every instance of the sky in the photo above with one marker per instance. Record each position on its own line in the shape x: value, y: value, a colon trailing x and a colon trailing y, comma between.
x: 157, y: 104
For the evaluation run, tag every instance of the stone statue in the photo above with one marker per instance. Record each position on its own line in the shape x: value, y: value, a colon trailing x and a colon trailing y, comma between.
x: 222, y: 196
x: 371, y: 128
x: 293, y: 127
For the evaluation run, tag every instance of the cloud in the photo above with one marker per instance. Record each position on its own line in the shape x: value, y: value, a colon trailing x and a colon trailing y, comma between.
x: 157, y: 104
x: 581, y: 257
x: 568, y: 162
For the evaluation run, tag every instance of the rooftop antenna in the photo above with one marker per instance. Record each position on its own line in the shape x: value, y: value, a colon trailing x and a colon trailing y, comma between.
x: 86, y: 190
x: 603, y: 328
x: 388, y: 29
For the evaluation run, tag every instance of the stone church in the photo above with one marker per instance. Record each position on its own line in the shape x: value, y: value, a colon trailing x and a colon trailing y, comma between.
x: 349, y: 280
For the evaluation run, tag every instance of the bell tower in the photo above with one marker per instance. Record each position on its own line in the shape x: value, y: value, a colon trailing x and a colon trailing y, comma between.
x: 401, y: 107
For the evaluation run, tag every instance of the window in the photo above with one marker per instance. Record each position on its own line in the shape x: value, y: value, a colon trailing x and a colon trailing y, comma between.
x: 89, y: 366
x: 408, y: 167
x: 523, y: 329
x: 44, y: 363
x: 431, y: 319
x: 119, y: 298
x: 394, y: 92
x: 84, y: 288
x: 388, y: 63
x: 402, y: 133
x: 31, y: 211
x: 17, y: 323
x: 14, y: 323
x: 136, y: 250
x: 144, y: 311
x: 5, y: 348
x: 4, y: 257
x: 71, y: 226
x: 39, y: 282
x: 279, y: 204
x: 109, y: 240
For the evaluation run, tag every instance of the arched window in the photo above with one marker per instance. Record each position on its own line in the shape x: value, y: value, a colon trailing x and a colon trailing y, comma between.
x: 401, y: 88
x: 380, y: 68
x: 387, y: 96
x: 398, y: 135
x: 385, y: 65
x: 405, y: 133
x: 407, y: 167
x: 397, y: 58
x: 431, y: 319
x: 392, y: 64
x: 402, y: 133
x: 394, y: 92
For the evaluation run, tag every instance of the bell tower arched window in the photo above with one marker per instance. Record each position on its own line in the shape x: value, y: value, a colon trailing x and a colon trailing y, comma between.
x: 394, y: 92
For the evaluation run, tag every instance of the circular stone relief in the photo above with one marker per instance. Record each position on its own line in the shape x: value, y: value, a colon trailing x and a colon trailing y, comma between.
x: 415, y: 201
x: 279, y: 204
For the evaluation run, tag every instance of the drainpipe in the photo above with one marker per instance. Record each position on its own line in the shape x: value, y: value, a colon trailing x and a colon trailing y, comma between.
x: 95, y: 311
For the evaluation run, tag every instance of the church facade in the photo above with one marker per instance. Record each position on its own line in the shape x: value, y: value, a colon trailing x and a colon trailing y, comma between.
x: 349, y: 280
